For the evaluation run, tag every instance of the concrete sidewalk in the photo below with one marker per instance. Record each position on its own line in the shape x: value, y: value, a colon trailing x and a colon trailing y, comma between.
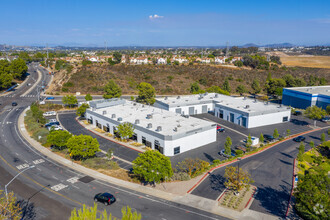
x: 187, y: 199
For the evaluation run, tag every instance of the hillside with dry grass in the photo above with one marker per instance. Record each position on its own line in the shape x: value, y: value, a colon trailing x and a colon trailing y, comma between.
x: 307, y: 61
x: 167, y: 79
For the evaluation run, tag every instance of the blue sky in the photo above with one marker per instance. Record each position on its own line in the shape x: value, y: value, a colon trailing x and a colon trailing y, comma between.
x: 177, y: 23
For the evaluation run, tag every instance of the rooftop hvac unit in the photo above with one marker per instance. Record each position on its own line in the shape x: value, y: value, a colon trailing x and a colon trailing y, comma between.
x: 120, y: 119
x: 159, y: 128
x: 247, y: 106
x: 244, y: 98
x: 255, y: 100
x: 175, y: 129
x: 104, y: 112
x: 216, y: 95
x: 113, y: 116
x: 206, y: 93
x: 134, y: 104
x: 178, y: 97
x: 165, y: 98
x: 142, y: 106
x: 179, y: 125
x: 149, y: 116
x: 149, y: 125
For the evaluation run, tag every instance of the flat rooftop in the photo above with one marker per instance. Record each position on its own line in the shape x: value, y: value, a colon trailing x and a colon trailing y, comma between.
x: 323, y: 90
x: 129, y: 111
x: 247, y: 105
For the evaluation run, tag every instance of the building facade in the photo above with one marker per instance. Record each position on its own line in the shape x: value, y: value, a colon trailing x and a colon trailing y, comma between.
x: 162, y: 130
x: 303, y: 97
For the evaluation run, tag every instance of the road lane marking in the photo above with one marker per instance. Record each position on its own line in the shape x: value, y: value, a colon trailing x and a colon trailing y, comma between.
x: 38, y: 161
x: 22, y: 166
x: 73, y: 180
x: 59, y: 187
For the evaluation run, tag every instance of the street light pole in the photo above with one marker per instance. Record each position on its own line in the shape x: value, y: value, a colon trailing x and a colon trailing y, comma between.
x: 14, y: 179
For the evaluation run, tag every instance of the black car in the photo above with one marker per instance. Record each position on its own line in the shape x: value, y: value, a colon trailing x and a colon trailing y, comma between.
x: 105, y: 198
x: 14, y: 104
x: 299, y: 139
x: 268, y: 137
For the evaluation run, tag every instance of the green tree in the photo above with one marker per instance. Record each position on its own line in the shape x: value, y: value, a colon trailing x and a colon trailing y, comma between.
x: 241, y: 89
x: 315, y: 113
x: 217, y: 89
x: 82, y: 110
x: 322, y: 139
x: 236, y: 179
x: 249, y: 141
x: 112, y: 90
x: 88, y: 97
x: 152, y: 166
x: 301, y: 151
x: 194, y: 88
x: 275, y: 86
x: 82, y: 146
x: 117, y: 57
x: 18, y: 68
x: 238, y: 63
x: 312, y: 144
x: 37, y: 114
x: 226, y: 86
x: 261, y: 138
x: 5, y: 79
x: 125, y: 130
x: 127, y: 214
x: 288, y: 132
x: 9, y: 208
x: 228, y: 144
x: 192, y: 166
x: 70, y: 100
x: 147, y: 93
x: 24, y: 56
x: 269, y: 76
x: 256, y: 86
x: 276, y: 134
x: 312, y: 196
x: 58, y: 138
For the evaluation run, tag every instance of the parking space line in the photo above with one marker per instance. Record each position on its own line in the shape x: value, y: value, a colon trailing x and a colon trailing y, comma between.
x: 226, y: 127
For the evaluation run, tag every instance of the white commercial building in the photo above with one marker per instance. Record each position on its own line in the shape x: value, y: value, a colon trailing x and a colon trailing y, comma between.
x: 243, y: 111
x: 165, y: 131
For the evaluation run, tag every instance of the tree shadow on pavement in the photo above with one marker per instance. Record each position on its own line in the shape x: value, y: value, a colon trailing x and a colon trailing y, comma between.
x: 28, y: 209
x: 285, y: 162
x: 217, y: 182
x: 274, y: 201
x: 209, y: 157
x: 287, y: 155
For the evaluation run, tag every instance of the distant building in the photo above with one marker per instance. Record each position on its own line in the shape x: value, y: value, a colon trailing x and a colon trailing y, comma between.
x: 303, y: 97
x: 220, y: 60
x: 93, y: 59
x: 139, y: 60
x: 161, y: 60
x: 180, y: 60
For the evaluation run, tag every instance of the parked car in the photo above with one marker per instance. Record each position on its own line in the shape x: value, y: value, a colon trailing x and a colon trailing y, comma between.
x: 52, y: 113
x: 268, y: 137
x: 14, y: 104
x: 52, y: 120
x: 325, y: 119
x: 42, y: 102
x: 297, y: 113
x: 105, y: 198
x: 50, y: 98
x: 220, y: 129
x: 52, y: 123
x: 299, y: 139
x: 55, y: 127
x: 222, y: 153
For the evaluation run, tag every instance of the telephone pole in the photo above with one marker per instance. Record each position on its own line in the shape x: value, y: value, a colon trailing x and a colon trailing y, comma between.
x: 227, y: 49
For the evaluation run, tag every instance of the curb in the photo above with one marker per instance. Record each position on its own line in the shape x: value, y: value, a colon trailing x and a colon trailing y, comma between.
x: 250, y: 155
x: 107, y: 138
x: 255, y: 190
x: 289, y: 202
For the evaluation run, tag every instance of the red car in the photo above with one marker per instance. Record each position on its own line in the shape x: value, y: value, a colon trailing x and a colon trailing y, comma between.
x: 220, y: 129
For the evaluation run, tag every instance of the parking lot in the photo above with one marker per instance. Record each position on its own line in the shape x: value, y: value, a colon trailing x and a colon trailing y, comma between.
x: 237, y: 133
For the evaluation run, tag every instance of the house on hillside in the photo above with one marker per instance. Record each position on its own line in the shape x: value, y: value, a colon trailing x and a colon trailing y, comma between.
x: 220, y: 60
x: 161, y: 60
x: 139, y: 60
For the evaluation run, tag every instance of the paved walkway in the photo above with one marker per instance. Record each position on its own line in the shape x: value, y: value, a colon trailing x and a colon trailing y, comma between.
x: 185, y: 199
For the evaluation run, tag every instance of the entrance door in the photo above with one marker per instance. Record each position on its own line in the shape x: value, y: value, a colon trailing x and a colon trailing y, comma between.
x: 191, y: 110
x: 204, y: 108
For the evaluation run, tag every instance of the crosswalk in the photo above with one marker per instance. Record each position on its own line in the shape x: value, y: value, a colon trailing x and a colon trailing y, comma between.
x: 27, y: 96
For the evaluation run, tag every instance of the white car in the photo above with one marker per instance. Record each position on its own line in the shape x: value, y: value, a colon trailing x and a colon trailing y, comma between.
x: 52, y: 120
x: 49, y: 113
x: 42, y: 103
x: 55, y: 127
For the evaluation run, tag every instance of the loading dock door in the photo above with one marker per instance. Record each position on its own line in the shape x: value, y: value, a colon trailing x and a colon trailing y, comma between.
x: 204, y: 108
x: 178, y: 110
x: 191, y: 110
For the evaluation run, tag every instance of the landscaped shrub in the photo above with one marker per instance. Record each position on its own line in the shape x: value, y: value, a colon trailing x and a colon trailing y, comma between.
x: 181, y: 176
x: 42, y: 133
x: 100, y: 163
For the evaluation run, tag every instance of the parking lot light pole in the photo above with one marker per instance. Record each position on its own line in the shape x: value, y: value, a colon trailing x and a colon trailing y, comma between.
x: 14, y: 179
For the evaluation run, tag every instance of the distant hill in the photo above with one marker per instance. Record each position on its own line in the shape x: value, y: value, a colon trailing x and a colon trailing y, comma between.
x: 279, y: 45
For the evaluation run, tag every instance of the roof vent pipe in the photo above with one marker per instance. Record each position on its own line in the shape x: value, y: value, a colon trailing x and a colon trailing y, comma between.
x: 113, y: 116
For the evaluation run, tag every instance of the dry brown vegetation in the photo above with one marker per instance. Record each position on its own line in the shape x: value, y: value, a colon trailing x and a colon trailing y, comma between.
x: 170, y: 79
x: 307, y: 61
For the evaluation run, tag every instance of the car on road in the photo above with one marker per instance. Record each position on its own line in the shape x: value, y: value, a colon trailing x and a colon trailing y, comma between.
x: 51, y: 124
x: 14, y: 104
x: 105, y: 198
x: 220, y: 129
x: 51, y: 113
x: 55, y: 127
x: 222, y: 153
x: 268, y: 137
x: 50, y: 98
x: 299, y: 139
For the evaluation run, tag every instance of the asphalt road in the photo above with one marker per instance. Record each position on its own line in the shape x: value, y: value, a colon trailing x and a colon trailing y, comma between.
x: 272, y: 172
x: 51, y: 191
